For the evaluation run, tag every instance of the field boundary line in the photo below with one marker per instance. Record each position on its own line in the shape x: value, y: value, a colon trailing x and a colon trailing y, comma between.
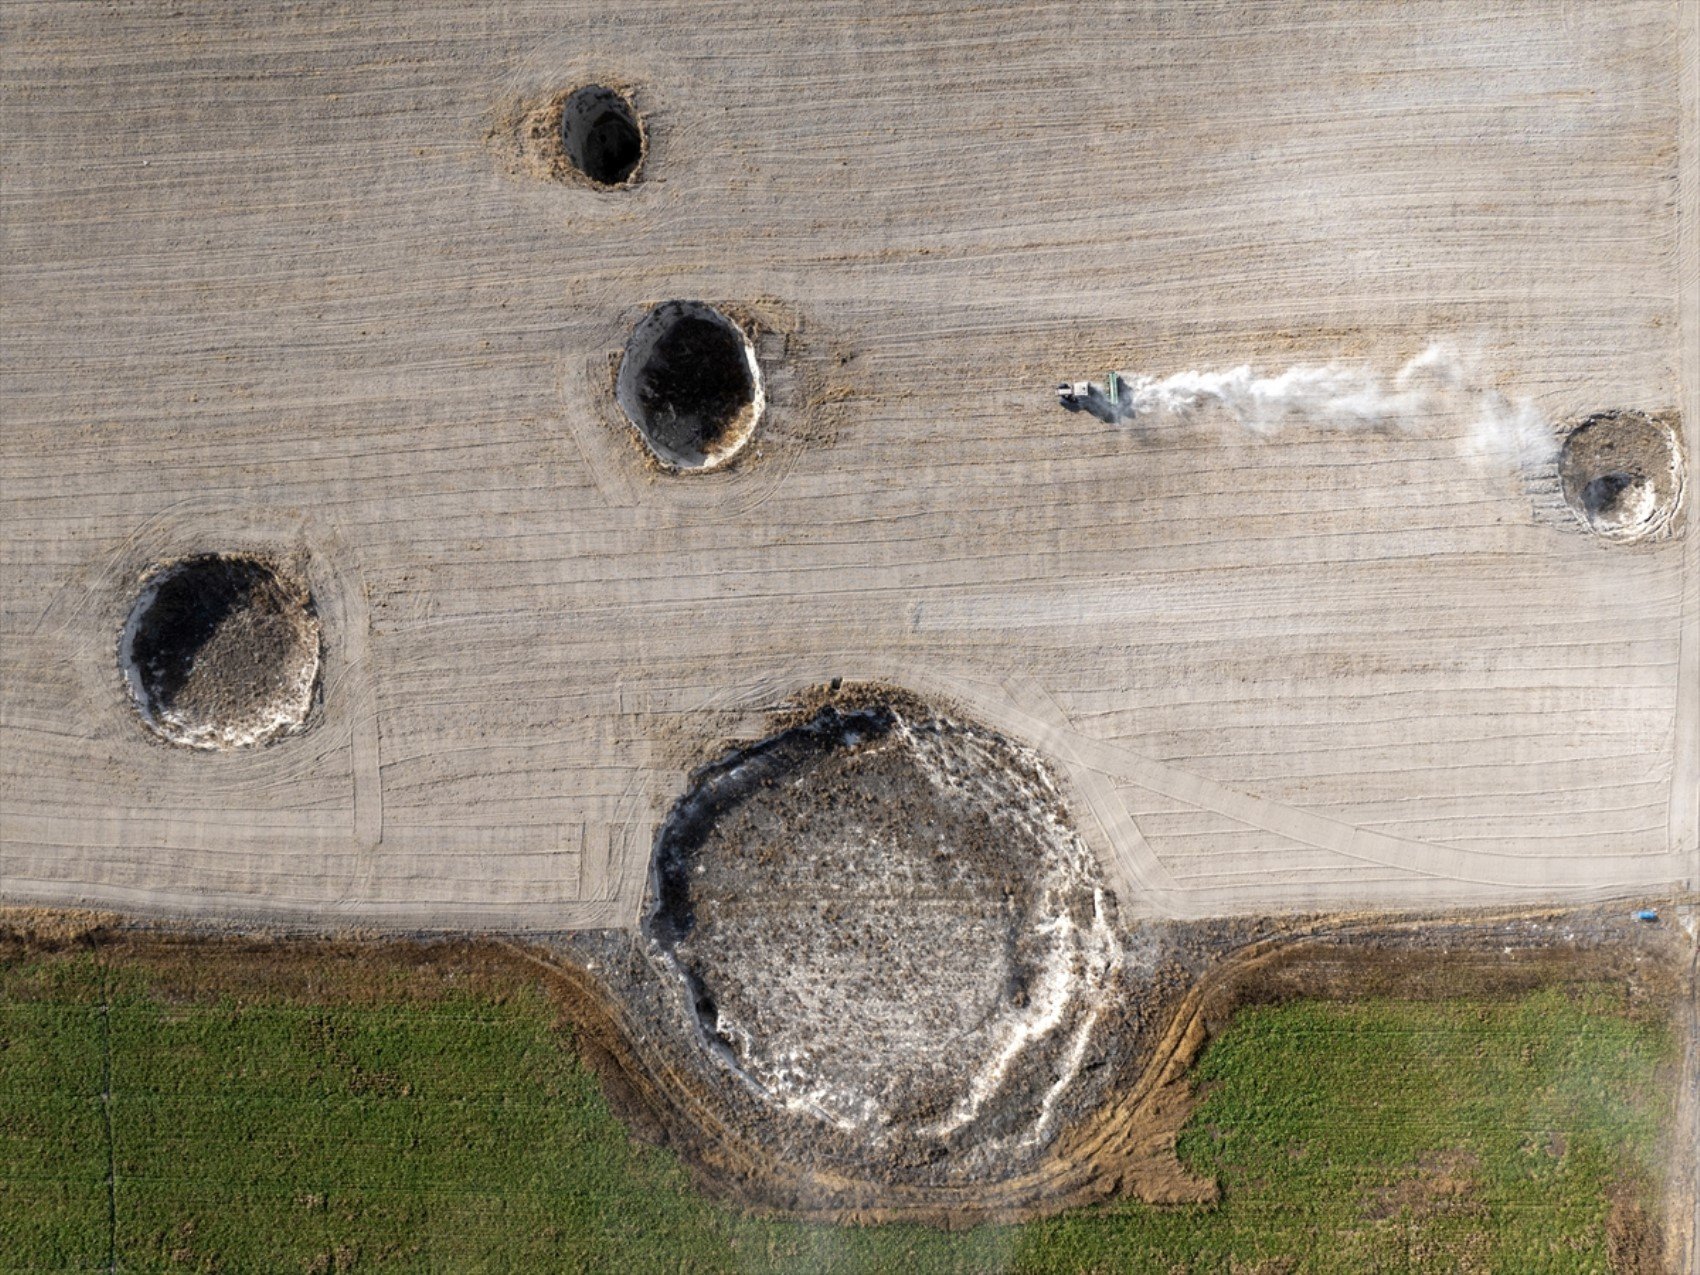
x: 106, y: 1109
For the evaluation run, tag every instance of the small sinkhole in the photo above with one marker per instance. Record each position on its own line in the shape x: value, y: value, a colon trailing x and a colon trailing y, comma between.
x: 1623, y: 474
x: 690, y: 384
x: 221, y: 651
x: 601, y: 135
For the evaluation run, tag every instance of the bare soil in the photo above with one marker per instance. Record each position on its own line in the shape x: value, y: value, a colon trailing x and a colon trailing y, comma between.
x: 592, y: 136
x: 1313, y: 674
x: 1634, y: 1243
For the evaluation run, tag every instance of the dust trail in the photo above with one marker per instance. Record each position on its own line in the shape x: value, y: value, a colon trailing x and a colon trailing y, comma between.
x: 1430, y: 393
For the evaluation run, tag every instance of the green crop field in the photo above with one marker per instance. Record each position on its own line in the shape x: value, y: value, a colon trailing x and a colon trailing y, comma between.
x: 367, y: 1113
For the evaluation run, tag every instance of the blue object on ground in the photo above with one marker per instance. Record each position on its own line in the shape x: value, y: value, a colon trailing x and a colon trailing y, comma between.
x: 1647, y: 914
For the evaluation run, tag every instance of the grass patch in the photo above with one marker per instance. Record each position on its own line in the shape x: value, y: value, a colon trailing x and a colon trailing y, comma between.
x: 369, y: 1112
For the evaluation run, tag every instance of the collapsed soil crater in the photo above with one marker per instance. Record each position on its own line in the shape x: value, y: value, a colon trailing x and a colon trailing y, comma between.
x: 1623, y: 474
x: 883, y: 923
x: 690, y: 384
x: 221, y: 651
x: 601, y: 136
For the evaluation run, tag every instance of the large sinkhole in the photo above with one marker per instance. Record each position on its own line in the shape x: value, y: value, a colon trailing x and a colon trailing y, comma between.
x: 690, y: 384
x: 1623, y: 474
x: 881, y: 919
x: 600, y: 135
x: 220, y: 652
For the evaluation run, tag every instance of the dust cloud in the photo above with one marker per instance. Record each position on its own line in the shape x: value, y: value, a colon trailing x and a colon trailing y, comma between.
x: 1430, y: 393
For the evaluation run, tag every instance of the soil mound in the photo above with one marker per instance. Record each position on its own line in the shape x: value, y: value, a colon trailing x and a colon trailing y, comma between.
x: 600, y: 135
x: 690, y: 384
x: 1623, y: 474
x: 884, y: 923
x: 221, y: 652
